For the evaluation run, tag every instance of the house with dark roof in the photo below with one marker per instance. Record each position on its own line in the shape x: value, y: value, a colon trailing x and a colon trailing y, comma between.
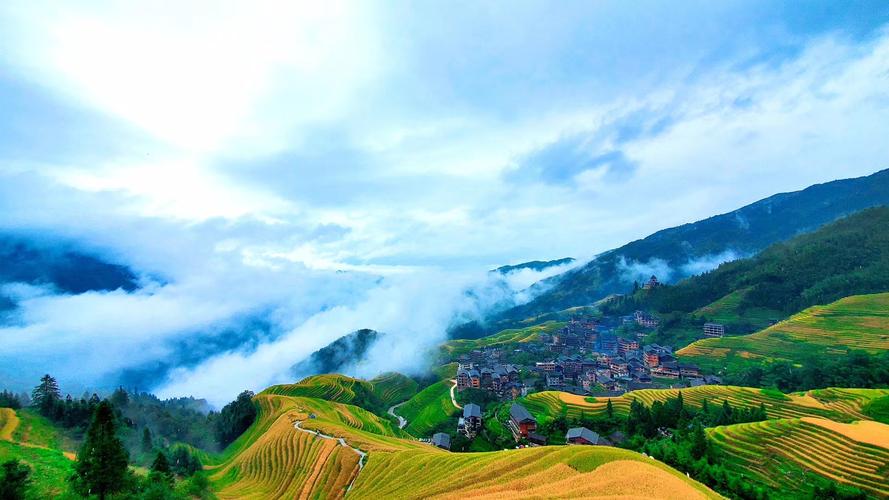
x: 538, y: 439
x: 471, y: 422
x: 520, y: 421
x: 581, y: 435
x: 442, y: 440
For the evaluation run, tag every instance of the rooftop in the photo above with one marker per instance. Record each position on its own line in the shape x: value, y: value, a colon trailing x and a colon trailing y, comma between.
x: 472, y: 410
x: 518, y: 413
x: 441, y: 440
x: 582, y: 432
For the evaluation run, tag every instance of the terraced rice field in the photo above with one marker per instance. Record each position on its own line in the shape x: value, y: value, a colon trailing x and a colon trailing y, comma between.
x: 331, y: 387
x: 274, y: 460
x: 727, y: 310
x: 782, y: 453
x: 859, y: 323
x: 394, y: 388
x: 545, y: 472
x: 842, y: 405
x: 454, y: 348
x: 284, y: 463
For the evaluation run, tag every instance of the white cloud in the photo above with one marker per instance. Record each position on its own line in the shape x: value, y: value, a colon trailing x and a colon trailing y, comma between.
x: 205, y: 76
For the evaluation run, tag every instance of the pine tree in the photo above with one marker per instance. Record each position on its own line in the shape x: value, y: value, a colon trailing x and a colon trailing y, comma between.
x: 14, y: 479
x: 699, y: 443
x: 147, y: 443
x: 46, y: 396
x: 726, y: 417
x: 161, y: 468
x: 119, y: 398
x: 102, y: 462
x: 609, y: 409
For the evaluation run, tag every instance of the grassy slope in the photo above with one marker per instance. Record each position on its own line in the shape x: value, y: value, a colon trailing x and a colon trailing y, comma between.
x: 430, y: 408
x: 780, y: 454
x: 394, y: 388
x: 273, y: 459
x: 841, y: 405
x: 878, y: 409
x: 728, y: 310
x: 31, y: 439
x: 860, y: 322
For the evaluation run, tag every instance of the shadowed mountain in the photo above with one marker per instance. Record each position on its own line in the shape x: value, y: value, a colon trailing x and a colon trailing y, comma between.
x: 338, y: 354
x: 65, y: 268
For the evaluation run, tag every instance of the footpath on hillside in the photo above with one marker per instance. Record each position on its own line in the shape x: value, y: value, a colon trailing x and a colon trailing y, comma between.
x: 9, y: 422
x: 453, y: 397
x: 361, y: 455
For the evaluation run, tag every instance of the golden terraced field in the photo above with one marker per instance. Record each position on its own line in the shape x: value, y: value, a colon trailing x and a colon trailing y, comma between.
x: 782, y: 453
x: 843, y: 405
x: 273, y: 459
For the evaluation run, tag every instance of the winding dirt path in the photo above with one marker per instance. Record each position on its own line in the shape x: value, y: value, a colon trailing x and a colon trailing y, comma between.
x: 9, y: 422
x: 402, y: 422
x: 361, y: 455
x: 453, y: 398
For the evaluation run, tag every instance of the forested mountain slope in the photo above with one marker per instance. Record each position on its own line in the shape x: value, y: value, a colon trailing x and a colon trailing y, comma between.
x: 685, y: 249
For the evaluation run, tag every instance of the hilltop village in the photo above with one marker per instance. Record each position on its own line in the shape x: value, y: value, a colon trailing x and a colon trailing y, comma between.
x: 597, y: 357
x: 589, y: 356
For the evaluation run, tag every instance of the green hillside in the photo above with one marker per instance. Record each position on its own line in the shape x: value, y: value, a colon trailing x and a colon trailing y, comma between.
x: 429, y: 409
x: 394, y: 388
x: 858, y: 323
x: 847, y: 257
x: 34, y: 441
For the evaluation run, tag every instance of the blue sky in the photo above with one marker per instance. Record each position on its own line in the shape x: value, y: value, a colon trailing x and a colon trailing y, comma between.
x: 248, y: 155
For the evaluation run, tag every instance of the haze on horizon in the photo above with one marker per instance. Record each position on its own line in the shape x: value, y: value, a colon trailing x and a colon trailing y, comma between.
x: 281, y: 174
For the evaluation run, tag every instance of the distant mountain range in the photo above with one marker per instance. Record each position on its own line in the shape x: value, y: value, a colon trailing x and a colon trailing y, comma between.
x: 534, y: 265
x: 61, y: 267
x: 66, y: 269
x: 676, y: 253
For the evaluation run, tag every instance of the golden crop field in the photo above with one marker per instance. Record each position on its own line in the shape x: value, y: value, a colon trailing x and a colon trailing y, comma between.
x: 331, y: 387
x: 273, y: 459
x: 842, y: 405
x: 543, y: 472
x: 859, y: 322
x: 780, y: 453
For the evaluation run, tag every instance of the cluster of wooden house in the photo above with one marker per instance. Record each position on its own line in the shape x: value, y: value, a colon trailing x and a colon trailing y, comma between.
x: 503, y: 380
